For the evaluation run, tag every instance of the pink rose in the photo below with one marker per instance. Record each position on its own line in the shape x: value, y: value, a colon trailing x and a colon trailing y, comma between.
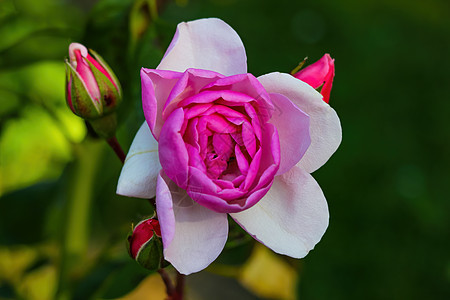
x: 220, y: 141
x: 319, y: 74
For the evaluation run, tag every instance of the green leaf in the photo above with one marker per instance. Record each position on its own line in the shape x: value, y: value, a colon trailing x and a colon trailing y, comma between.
x: 92, y: 282
x: 124, y: 280
x: 23, y: 213
x: 111, y: 279
x: 6, y: 291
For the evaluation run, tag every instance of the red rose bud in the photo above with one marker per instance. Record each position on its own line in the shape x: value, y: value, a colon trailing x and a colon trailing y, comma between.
x: 92, y: 90
x: 145, y: 245
x: 319, y: 75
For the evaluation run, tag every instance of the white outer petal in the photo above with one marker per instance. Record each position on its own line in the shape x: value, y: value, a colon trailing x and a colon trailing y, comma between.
x: 209, y: 44
x: 292, y: 217
x: 141, y: 167
x: 195, y: 235
x: 325, y: 126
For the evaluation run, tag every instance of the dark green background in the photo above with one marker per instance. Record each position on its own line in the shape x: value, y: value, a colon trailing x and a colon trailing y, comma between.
x: 387, y: 186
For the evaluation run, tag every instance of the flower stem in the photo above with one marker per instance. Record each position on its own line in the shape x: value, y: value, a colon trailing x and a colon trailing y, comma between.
x: 173, y: 292
x: 165, y: 277
x: 179, y: 289
x: 114, y: 144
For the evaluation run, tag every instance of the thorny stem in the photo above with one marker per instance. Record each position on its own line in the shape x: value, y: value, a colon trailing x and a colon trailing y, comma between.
x: 173, y: 293
x: 114, y: 144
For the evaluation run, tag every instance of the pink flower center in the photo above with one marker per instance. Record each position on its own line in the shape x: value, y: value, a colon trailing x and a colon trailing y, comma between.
x: 222, y: 140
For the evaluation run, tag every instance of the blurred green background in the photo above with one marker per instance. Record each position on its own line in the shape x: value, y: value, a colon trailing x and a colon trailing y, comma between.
x: 62, y: 228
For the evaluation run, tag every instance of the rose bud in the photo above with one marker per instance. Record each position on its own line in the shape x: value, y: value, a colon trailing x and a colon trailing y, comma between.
x: 92, y: 90
x: 319, y: 75
x: 144, y: 244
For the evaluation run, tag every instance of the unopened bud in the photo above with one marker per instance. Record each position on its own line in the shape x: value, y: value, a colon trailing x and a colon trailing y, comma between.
x: 92, y: 90
x: 319, y: 75
x: 145, y: 244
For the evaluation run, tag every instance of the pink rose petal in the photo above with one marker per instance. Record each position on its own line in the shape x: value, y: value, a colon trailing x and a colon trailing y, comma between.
x: 173, y: 154
x: 156, y: 87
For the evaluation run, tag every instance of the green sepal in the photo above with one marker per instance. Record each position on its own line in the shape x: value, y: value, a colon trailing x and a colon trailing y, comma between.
x: 105, y: 126
x: 128, y: 245
x: 299, y: 66
x: 319, y: 89
x: 151, y: 253
x: 111, y: 96
x: 83, y: 104
x: 103, y: 63
x: 66, y: 86
x: 164, y: 263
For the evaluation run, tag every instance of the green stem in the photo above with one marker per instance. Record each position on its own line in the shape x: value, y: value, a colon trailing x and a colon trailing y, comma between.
x: 77, y: 213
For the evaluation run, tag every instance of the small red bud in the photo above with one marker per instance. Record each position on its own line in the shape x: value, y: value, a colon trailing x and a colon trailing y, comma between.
x: 145, y: 244
x: 319, y: 75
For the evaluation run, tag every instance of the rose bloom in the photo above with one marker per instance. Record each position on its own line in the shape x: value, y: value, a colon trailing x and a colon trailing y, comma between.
x: 218, y: 140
